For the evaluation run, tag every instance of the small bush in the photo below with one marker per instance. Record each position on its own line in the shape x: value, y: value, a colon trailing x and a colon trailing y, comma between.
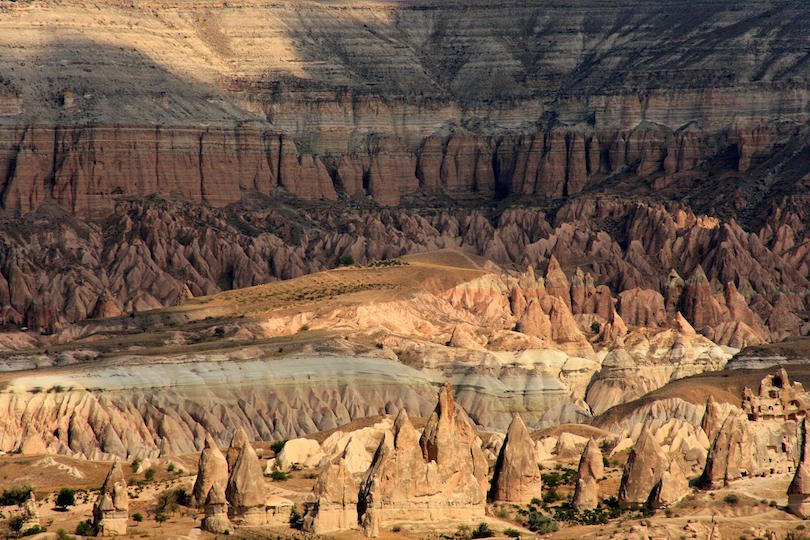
x: 149, y: 473
x: 279, y: 476
x: 31, y: 531
x: 161, y: 518
x: 482, y: 531
x: 62, y: 534
x: 463, y: 531
x: 169, y: 500
x: 15, y: 495
x: 15, y: 523
x: 396, y: 528
x: 86, y: 528
x: 511, y: 533
x: 137, y: 517
x: 65, y: 498
x: 278, y: 446
x: 170, y: 468
x: 605, y: 462
x: 595, y: 327
x: 731, y: 499
x: 296, y: 519
x: 535, y: 501
x: 541, y: 524
x: 346, y: 260
x: 135, y: 464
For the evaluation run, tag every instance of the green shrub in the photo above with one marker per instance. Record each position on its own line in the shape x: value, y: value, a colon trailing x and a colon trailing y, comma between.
x: 278, y: 446
x: 541, y: 524
x: 278, y: 476
x: 170, y: 499
x: 15, y: 523
x: 149, y: 474
x: 595, y: 327
x: 161, y: 518
x: 346, y: 260
x: 731, y: 499
x: 482, y: 531
x: 86, y: 528
x: 137, y: 517
x: 31, y: 531
x: 170, y: 468
x: 66, y: 497
x: 511, y: 533
x: 62, y: 534
x: 15, y: 495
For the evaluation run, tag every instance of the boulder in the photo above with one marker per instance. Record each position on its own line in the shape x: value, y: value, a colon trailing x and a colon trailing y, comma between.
x: 216, y: 511
x: 643, y: 470
x: 305, y: 453
x: 212, y: 468
x: 516, y: 478
x: 799, y: 488
x: 110, y: 511
x: 245, y: 491
x: 590, y: 471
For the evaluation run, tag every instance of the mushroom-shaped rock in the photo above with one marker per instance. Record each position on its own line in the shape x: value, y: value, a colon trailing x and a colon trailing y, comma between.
x: 110, y: 512
x: 238, y: 441
x: 591, y: 469
x: 212, y: 468
x: 517, y: 478
x: 245, y: 491
x: 216, y: 511
x: 799, y: 488
x: 672, y: 487
x: 643, y: 470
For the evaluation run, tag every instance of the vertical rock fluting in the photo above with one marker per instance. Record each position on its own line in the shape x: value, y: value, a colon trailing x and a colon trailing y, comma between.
x: 516, y: 477
x: 731, y: 454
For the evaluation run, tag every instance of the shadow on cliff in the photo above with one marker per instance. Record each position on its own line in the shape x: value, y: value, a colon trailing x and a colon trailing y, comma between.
x: 77, y: 80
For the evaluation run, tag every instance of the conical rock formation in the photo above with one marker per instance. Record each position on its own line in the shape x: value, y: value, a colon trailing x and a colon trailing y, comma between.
x: 212, y: 468
x: 335, y: 507
x: 730, y: 456
x: 110, y: 511
x: 238, y: 441
x: 438, y: 477
x: 643, y: 470
x: 799, y: 488
x: 517, y: 478
x: 591, y: 469
x: 245, y: 491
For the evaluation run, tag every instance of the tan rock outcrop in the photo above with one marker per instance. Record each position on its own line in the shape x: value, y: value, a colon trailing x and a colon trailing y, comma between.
x: 644, y: 468
x: 556, y: 282
x: 438, y: 476
x: 730, y: 456
x: 238, y: 441
x: 111, y: 509
x: 590, y: 471
x: 799, y: 489
x: 516, y: 477
x: 216, y: 511
x: 672, y: 487
x: 302, y: 452
x: 212, y: 469
x: 245, y: 490
x: 336, y: 496
x: 713, y: 418
x: 30, y: 514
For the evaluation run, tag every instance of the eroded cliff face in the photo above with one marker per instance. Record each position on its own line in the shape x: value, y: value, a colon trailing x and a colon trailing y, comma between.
x: 387, y: 100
